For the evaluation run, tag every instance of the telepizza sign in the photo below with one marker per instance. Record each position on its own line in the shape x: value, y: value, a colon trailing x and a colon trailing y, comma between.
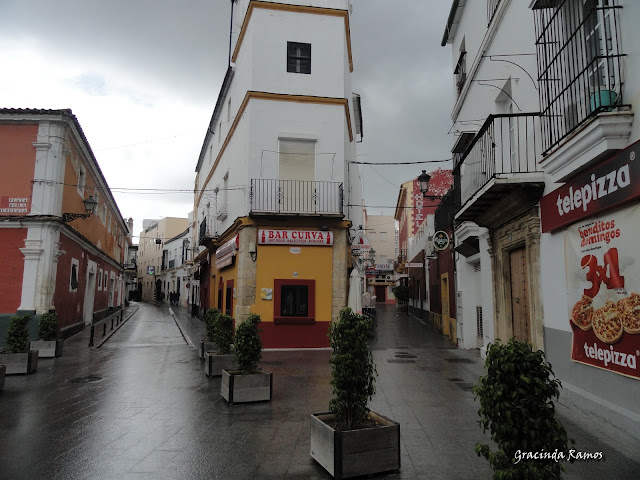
x: 609, y: 184
x: 269, y: 236
x: 603, y: 281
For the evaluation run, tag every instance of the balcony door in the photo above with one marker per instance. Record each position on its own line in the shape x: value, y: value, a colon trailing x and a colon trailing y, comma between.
x: 297, y: 171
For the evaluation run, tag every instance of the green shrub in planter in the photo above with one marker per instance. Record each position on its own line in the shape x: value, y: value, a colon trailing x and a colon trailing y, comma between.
x: 401, y: 292
x: 223, y: 333
x: 517, y: 406
x: 210, y: 319
x: 353, y: 373
x: 48, y: 327
x: 247, y: 348
x: 17, y: 334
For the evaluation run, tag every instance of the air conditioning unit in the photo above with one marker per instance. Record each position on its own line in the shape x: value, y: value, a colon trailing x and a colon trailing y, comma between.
x: 388, y: 278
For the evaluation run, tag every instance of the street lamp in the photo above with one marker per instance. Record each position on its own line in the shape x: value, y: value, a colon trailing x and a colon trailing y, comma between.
x: 89, y: 207
x: 423, y: 180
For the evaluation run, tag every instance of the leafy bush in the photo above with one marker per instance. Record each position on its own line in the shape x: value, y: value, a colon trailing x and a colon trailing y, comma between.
x: 401, y: 292
x: 210, y: 319
x: 48, y: 327
x: 223, y: 333
x: 248, y: 347
x: 353, y: 373
x: 517, y: 406
x: 17, y: 333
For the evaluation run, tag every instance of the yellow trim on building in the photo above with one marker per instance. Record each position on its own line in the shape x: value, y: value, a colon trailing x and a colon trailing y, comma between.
x: 298, y: 9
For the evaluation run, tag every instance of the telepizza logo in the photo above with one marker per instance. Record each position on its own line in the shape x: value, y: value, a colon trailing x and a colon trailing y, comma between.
x: 598, y: 188
x: 610, y: 356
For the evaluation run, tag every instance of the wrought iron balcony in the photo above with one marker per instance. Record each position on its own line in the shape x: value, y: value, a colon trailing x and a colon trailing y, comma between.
x: 579, y: 63
x: 296, y: 197
x: 206, y: 232
x: 498, y: 172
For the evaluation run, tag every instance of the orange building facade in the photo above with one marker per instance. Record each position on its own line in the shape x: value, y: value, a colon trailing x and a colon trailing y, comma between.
x: 52, y: 260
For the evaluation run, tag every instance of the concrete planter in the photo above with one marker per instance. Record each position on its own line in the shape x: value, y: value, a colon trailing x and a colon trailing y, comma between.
x: 47, y: 348
x: 352, y: 453
x: 206, y: 346
x: 214, y: 363
x: 239, y: 388
x: 3, y: 371
x: 17, y: 363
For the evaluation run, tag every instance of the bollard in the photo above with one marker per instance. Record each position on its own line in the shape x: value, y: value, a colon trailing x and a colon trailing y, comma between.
x: 111, y: 323
x: 91, y: 336
x: 104, y: 329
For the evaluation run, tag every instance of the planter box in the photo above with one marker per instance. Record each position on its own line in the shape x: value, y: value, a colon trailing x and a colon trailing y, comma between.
x: 16, y: 363
x: 214, y: 363
x: 3, y: 371
x: 206, y: 346
x: 47, y: 348
x: 351, y: 453
x: 238, y: 388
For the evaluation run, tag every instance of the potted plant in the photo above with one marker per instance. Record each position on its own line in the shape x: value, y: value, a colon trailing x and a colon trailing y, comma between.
x: 208, y: 344
x: 401, y: 292
x: 517, y: 396
x: 48, y: 344
x: 19, y: 359
x: 222, y: 358
x: 247, y: 383
x: 351, y: 440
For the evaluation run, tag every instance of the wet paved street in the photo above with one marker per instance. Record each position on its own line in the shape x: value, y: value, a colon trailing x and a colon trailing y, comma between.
x: 144, y: 409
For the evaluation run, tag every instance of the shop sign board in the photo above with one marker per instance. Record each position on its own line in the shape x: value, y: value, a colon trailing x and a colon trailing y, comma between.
x: 371, y: 272
x: 608, y: 184
x: 603, y: 285
x: 14, y: 205
x: 414, y: 265
x: 270, y: 236
x: 360, y: 244
x: 440, y: 240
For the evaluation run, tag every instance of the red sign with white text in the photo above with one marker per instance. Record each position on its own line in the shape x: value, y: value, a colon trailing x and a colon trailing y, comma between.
x: 268, y: 236
x: 606, y: 185
x: 603, y: 286
x: 14, y: 205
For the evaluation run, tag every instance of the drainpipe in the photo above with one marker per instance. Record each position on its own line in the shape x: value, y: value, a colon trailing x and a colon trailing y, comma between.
x: 231, y: 30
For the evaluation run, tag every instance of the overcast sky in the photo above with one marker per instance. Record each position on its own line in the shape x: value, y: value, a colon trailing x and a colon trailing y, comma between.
x: 142, y: 77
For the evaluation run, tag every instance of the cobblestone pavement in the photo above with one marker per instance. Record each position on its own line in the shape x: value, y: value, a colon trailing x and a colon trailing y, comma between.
x: 140, y: 406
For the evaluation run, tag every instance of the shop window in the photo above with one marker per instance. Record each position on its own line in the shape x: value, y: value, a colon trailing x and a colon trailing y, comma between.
x: 228, y: 303
x: 294, y: 301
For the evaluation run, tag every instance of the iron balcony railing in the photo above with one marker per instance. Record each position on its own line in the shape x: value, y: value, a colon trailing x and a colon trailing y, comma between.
x: 206, y: 230
x: 506, y: 144
x: 270, y: 196
x: 579, y: 63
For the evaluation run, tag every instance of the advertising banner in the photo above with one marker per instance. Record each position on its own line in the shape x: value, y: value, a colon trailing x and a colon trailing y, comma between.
x: 603, y: 290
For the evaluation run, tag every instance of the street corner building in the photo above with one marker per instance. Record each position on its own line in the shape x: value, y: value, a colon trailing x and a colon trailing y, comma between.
x: 276, y: 195
x: 62, y: 235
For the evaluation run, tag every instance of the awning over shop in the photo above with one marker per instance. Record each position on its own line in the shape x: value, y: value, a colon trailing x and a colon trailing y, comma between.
x: 225, y: 254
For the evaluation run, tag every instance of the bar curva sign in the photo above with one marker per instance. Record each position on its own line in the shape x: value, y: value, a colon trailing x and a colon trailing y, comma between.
x: 268, y: 236
x: 609, y: 184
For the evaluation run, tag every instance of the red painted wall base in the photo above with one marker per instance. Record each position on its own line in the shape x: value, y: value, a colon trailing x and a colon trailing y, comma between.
x: 294, y: 336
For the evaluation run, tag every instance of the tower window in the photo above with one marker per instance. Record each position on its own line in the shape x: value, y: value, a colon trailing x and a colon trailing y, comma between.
x: 298, y: 57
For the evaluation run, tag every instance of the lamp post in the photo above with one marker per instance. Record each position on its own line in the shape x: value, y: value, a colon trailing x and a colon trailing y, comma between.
x: 90, y: 205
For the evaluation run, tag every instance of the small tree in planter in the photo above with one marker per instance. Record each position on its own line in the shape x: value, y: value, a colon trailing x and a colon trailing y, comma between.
x: 208, y: 343
x: 223, y: 334
x: 351, y: 440
x: 19, y: 359
x: 517, y: 406
x: 48, y: 345
x: 248, y: 383
x: 401, y: 292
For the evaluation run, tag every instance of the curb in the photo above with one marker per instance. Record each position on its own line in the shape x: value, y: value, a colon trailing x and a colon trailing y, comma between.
x: 182, y: 332
x: 111, y: 332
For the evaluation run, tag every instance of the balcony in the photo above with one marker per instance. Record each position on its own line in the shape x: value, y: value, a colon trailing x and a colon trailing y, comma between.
x: 580, y: 71
x: 498, y: 173
x: 296, y: 197
x: 206, y: 233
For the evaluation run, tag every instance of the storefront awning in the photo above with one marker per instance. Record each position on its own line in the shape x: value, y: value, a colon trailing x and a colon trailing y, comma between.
x: 225, y: 254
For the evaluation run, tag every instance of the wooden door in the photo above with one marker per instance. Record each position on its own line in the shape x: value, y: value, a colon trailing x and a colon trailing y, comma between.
x: 381, y: 293
x: 519, y: 297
